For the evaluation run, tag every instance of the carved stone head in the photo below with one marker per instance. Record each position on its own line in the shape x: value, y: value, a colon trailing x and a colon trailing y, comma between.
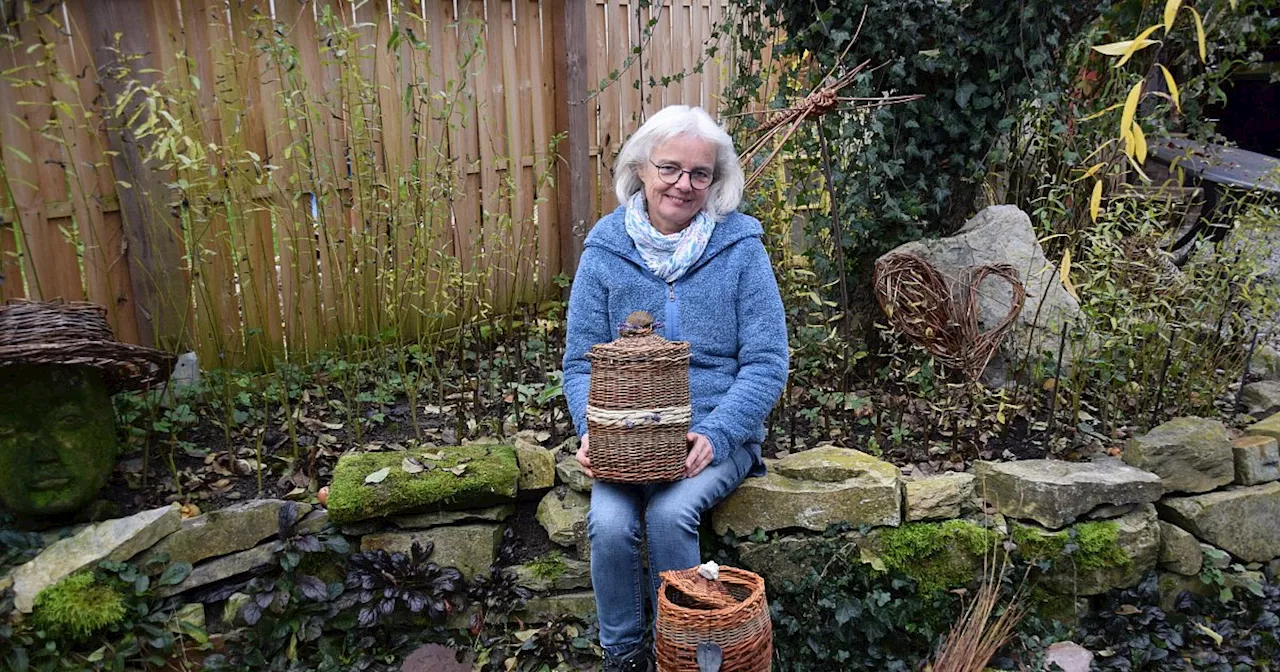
x: 57, y: 437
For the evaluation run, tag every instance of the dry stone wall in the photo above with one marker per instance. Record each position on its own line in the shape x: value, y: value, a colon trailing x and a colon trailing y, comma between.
x: 1183, y: 492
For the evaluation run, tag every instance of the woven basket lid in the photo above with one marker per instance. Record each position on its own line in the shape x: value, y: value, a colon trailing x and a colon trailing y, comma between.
x: 637, y: 342
x: 76, y: 333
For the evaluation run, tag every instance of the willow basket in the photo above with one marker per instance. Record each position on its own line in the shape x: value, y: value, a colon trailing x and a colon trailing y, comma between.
x: 638, y: 407
x: 731, y: 612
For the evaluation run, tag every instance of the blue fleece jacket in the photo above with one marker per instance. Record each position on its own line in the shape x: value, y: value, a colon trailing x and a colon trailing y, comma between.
x: 727, y: 307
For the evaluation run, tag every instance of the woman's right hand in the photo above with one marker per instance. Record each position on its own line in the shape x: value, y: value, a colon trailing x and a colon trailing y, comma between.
x: 583, y: 458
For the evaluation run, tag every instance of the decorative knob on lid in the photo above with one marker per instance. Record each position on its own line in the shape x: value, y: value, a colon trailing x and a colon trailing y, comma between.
x: 638, y: 323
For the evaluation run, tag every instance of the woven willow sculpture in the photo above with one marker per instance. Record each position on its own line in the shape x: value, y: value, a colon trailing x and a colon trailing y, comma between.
x: 919, y: 303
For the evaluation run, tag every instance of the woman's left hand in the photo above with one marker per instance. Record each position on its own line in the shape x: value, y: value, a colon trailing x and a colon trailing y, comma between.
x: 700, y: 454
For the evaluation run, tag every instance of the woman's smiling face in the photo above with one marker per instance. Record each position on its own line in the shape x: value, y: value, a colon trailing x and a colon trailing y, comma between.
x: 673, y: 206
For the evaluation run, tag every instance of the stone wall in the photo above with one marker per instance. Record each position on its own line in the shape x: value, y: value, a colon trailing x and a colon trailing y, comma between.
x: 1181, y: 489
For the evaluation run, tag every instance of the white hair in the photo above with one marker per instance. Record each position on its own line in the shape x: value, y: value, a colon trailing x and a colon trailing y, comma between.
x: 725, y: 192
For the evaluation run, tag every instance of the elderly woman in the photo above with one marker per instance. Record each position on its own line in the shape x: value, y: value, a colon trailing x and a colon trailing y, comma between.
x: 677, y: 248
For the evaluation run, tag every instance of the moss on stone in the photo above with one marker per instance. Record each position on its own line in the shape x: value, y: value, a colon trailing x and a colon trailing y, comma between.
x: 77, y: 607
x: 548, y: 566
x: 937, y: 555
x: 1097, y: 545
x: 490, y: 478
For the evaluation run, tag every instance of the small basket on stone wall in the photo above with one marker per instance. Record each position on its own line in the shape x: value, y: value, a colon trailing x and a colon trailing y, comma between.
x: 724, y: 606
x: 638, y: 408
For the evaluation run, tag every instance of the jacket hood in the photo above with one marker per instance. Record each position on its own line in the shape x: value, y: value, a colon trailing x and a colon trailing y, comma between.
x: 610, y: 233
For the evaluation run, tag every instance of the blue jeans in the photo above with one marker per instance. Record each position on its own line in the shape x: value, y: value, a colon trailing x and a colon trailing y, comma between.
x: 672, y: 513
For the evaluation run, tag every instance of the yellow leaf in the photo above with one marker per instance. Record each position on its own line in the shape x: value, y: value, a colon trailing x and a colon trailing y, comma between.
x: 1130, y: 108
x: 1170, y: 13
x: 1173, y: 86
x: 1139, y: 143
x: 1118, y: 48
x: 1099, y: 113
x: 1093, y: 170
x: 1217, y: 639
x: 1199, y: 33
x: 1095, y: 201
x: 1064, y: 270
x: 1141, y: 43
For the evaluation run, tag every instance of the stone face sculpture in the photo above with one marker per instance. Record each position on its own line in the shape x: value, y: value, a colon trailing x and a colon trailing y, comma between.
x: 59, y: 366
x: 57, y: 437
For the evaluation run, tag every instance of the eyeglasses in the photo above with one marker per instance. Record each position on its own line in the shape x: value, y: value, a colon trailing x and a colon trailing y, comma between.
x: 670, y: 173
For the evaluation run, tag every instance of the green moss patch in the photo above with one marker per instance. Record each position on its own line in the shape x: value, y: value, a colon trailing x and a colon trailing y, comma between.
x: 490, y: 477
x: 78, y: 607
x: 937, y: 555
x: 549, y: 566
x: 1096, y: 545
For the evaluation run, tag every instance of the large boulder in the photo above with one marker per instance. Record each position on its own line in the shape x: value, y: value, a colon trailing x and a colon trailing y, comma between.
x: 1257, y: 459
x: 1243, y: 521
x: 1188, y: 454
x: 1108, y: 553
x: 236, y: 528
x: 1002, y: 234
x: 1261, y: 398
x: 1265, y: 363
x: 472, y: 549
x: 1055, y: 492
x: 563, y: 514
x: 452, y: 478
x: 118, y: 540
x: 813, y: 489
x: 938, y: 497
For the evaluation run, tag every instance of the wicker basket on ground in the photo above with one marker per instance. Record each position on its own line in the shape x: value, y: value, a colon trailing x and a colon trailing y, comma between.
x: 638, y: 409
x: 730, y: 611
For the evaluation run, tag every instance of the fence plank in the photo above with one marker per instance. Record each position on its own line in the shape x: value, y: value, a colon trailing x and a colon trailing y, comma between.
x: 155, y: 248
x: 217, y: 313
x: 544, y: 115
x: 256, y: 267
x: 570, y: 21
x: 106, y: 271
x: 32, y: 163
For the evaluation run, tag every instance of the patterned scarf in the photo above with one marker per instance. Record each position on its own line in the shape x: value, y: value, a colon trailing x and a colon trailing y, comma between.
x: 668, y: 256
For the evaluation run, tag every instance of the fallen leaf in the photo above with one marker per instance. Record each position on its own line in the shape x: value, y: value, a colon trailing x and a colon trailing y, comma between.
x: 433, y: 456
x: 1127, y: 610
x: 189, y: 511
x: 378, y: 476
x: 458, y: 470
x: 411, y: 466
x: 1217, y: 639
x: 296, y: 494
x: 332, y: 425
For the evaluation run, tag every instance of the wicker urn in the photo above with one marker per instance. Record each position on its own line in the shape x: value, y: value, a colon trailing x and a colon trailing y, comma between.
x: 729, y: 610
x: 638, y: 409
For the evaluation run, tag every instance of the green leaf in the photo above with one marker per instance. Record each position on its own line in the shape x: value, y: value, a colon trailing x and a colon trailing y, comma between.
x: 175, y: 574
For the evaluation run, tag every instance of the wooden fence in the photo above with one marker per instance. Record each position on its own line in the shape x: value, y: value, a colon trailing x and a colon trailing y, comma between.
x: 260, y: 178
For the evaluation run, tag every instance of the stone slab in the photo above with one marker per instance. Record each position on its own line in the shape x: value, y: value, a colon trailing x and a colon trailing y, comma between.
x: 939, y: 497
x: 1055, y: 493
x: 472, y: 549
x: 235, y: 528
x: 118, y: 539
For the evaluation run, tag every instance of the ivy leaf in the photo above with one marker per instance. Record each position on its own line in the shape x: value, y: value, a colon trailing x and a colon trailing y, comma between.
x: 964, y: 93
x: 378, y: 476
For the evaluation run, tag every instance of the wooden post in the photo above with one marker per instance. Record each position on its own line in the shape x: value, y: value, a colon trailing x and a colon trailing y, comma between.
x: 572, y: 184
x: 152, y: 235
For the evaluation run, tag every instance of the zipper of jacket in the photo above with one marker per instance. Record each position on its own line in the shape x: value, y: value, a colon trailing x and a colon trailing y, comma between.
x: 672, y: 314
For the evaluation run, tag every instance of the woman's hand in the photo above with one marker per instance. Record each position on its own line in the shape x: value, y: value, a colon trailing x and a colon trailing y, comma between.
x: 583, y: 457
x: 700, y: 454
